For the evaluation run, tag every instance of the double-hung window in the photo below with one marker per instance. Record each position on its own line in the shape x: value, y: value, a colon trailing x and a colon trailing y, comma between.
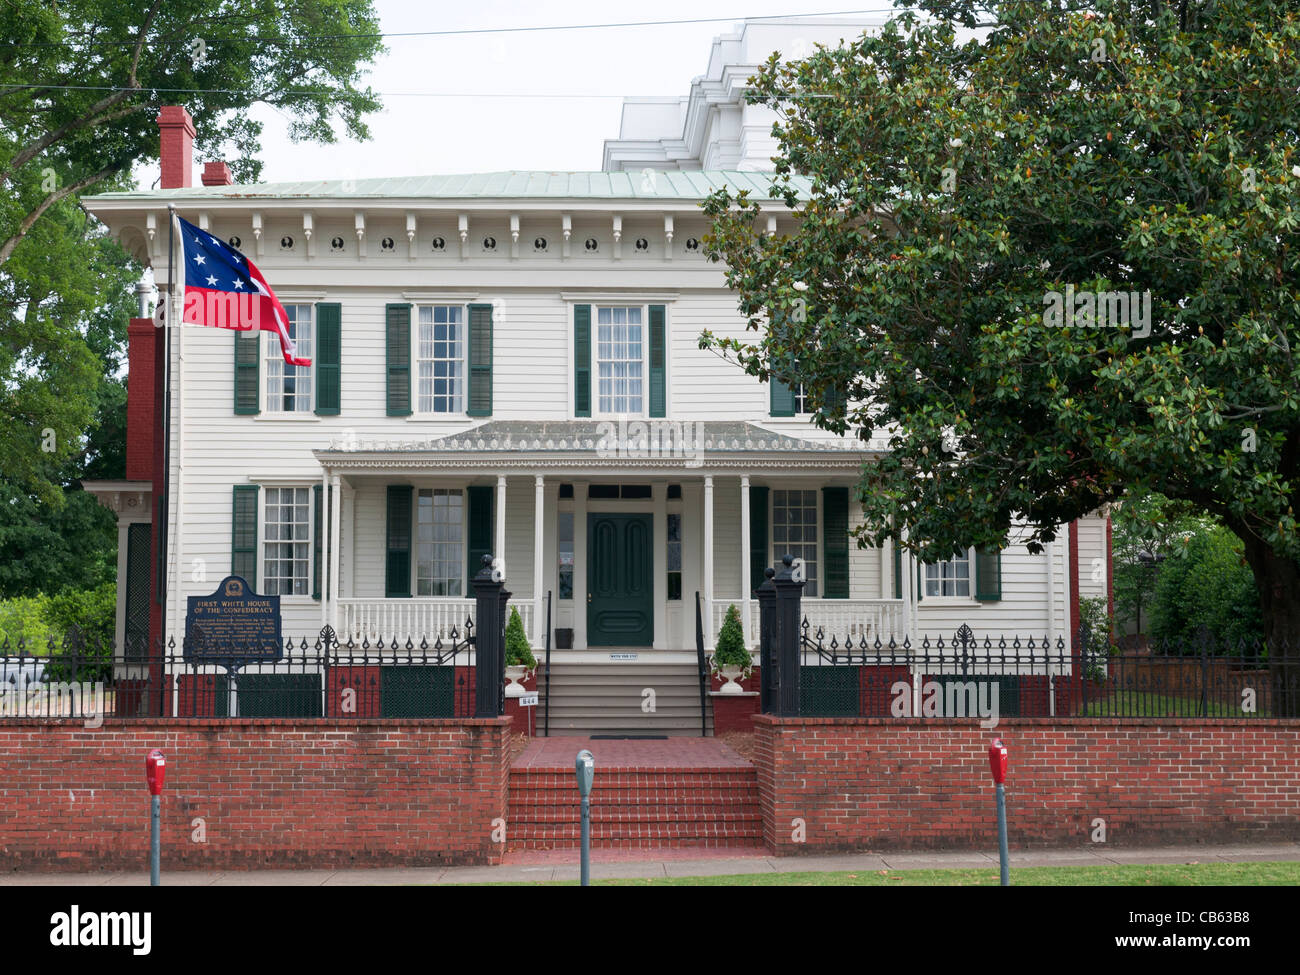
x: 439, y: 542
x: 794, y: 531
x: 440, y: 359
x: 620, y: 360
x: 286, y: 542
x: 289, y: 388
x: 949, y: 578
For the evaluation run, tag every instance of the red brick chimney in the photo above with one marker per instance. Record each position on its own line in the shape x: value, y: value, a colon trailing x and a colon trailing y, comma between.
x: 217, y: 174
x: 176, y: 147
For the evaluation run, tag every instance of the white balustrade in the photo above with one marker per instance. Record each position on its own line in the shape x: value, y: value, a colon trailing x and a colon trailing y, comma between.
x: 416, y: 619
x: 871, y: 619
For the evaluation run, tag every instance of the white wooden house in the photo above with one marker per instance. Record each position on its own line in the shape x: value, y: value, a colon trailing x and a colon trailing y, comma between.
x: 509, y: 363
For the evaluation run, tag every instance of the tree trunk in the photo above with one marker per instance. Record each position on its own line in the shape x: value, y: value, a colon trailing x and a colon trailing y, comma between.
x: 1278, y: 581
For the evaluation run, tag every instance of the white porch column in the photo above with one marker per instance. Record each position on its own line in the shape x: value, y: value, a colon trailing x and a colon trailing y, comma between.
x: 336, y: 531
x: 580, y: 565
x: 708, y: 562
x: 539, y: 541
x: 745, y: 543
x: 887, y: 569
x: 659, y: 533
x: 325, y: 547
x: 500, y: 548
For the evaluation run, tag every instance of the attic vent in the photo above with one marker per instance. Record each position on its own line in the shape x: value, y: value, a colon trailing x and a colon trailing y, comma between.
x: 642, y: 244
x: 489, y: 243
x: 235, y: 242
x: 386, y: 243
x: 286, y: 243
x: 591, y: 243
x: 539, y: 244
x: 692, y: 244
x: 336, y: 243
x: 439, y: 243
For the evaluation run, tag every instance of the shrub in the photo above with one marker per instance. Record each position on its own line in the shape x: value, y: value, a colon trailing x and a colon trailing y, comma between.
x: 24, y: 618
x: 731, y: 650
x: 518, y: 652
x: 1210, y: 586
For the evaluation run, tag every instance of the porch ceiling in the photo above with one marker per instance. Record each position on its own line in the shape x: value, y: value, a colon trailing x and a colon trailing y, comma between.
x: 584, y: 445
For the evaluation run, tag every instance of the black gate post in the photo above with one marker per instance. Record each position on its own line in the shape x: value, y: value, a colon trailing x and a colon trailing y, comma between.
x: 789, y: 614
x: 769, y: 667
x: 489, y: 642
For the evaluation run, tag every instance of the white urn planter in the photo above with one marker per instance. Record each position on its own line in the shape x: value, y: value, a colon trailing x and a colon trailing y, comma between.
x: 516, y: 674
x: 732, y: 677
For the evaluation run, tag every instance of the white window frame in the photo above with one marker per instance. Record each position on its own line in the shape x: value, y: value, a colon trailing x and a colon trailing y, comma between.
x: 969, y: 597
x: 644, y: 325
x: 462, y: 543
x: 417, y: 360
x: 773, y: 554
x: 263, y: 524
x: 275, y: 367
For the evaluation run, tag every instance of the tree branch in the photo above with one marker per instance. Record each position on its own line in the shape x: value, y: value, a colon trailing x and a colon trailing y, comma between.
x: 8, y: 247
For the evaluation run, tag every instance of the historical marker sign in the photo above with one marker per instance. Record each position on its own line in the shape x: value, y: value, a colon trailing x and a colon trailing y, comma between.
x: 233, y: 625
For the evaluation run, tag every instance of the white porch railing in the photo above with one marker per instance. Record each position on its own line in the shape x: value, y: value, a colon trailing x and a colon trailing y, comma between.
x: 415, y: 619
x: 840, y: 618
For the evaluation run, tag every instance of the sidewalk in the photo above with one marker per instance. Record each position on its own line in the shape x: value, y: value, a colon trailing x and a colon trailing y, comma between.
x: 563, y: 865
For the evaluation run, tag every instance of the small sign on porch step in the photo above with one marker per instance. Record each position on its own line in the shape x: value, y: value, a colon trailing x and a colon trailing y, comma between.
x: 622, y: 656
x: 528, y: 700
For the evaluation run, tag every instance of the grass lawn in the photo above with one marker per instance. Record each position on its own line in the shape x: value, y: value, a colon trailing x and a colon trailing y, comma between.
x: 1286, y: 874
x: 1131, y: 703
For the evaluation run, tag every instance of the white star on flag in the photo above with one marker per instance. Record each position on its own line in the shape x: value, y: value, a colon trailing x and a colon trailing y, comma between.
x: 211, y: 279
x: 199, y: 259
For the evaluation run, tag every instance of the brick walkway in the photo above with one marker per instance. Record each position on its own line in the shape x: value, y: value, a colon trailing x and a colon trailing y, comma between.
x: 630, y: 755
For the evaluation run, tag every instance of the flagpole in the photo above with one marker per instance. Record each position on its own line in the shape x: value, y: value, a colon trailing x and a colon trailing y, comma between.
x: 162, y: 512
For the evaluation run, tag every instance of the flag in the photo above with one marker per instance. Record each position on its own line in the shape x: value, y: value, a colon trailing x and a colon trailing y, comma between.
x: 224, y: 289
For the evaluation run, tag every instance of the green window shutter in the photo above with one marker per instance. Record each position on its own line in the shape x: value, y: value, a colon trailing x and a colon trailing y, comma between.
x: 243, y: 534
x: 658, y: 360
x: 835, y: 400
x: 988, y: 574
x: 782, y: 398
x: 317, y: 546
x: 898, y: 571
x: 397, y: 569
x: 479, y: 499
x: 248, y: 368
x: 582, y: 360
x: 758, y: 535
x: 328, y: 357
x: 397, y: 358
x: 835, y: 542
x: 479, y: 366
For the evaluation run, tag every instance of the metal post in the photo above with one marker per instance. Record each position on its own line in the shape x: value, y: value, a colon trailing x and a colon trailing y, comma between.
x: 768, y: 667
x: 1002, y: 834
x: 155, y: 840
x: 789, y: 597
x: 489, y: 641
x: 585, y: 767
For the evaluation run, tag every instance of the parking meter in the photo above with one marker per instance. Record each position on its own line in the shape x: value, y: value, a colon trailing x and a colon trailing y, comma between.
x: 998, y: 766
x: 585, y: 767
x: 998, y: 761
x: 155, y: 770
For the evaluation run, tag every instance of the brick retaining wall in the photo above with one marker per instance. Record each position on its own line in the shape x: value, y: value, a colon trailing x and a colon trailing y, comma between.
x: 271, y: 793
x: 859, y: 783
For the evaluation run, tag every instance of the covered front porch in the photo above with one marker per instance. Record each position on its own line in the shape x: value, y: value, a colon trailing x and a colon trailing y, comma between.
x: 606, y: 532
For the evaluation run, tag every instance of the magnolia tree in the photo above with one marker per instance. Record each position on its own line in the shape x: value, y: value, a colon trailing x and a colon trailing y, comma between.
x: 1050, y: 254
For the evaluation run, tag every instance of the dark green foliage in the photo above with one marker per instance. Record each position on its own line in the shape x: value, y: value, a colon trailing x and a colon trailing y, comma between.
x: 1209, y: 586
x: 517, y: 649
x: 730, y: 650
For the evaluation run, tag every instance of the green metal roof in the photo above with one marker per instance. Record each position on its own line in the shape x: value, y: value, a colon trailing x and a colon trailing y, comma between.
x: 517, y: 184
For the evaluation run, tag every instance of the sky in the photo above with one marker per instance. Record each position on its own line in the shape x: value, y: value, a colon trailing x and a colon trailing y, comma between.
x: 536, y: 100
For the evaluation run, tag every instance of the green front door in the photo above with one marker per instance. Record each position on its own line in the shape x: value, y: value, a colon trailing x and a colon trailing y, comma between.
x: 620, y: 581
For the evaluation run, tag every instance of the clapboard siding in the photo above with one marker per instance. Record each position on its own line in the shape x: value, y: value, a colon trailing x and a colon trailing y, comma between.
x: 1092, y: 566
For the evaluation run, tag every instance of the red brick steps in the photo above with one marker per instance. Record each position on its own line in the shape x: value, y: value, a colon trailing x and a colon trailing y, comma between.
x: 646, y: 794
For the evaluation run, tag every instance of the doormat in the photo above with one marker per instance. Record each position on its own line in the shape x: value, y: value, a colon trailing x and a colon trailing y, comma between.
x: 629, y: 737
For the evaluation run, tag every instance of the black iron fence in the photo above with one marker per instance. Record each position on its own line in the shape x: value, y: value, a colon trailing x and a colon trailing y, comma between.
x: 317, y: 678
x: 987, y: 678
